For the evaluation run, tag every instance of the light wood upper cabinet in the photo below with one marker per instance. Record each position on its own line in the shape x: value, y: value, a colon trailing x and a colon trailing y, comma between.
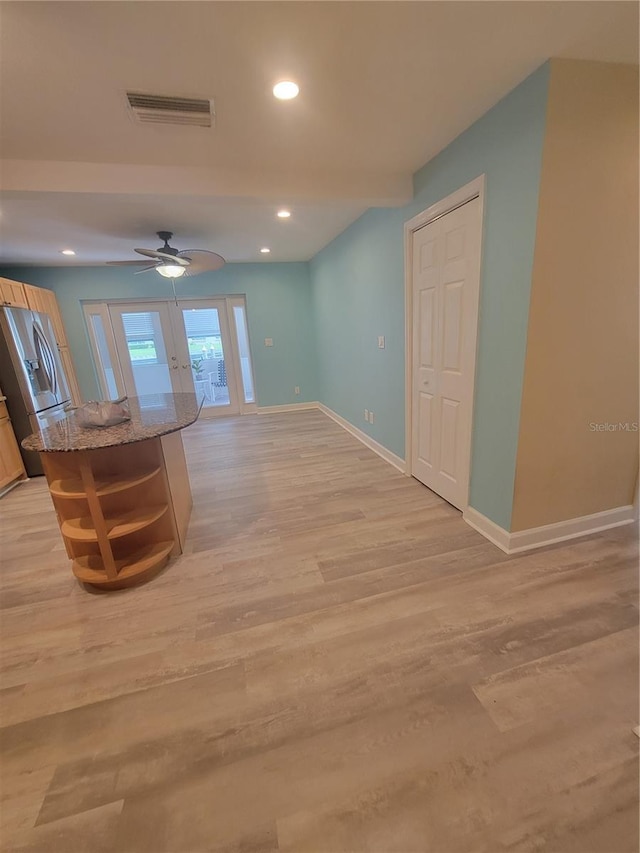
x: 12, y: 293
x: 43, y: 300
x: 32, y: 295
x: 51, y: 308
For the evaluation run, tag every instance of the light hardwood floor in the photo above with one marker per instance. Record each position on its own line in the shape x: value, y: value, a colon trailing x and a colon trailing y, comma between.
x: 337, y: 663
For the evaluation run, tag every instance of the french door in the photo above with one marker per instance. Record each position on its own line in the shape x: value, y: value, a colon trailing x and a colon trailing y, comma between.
x: 144, y: 349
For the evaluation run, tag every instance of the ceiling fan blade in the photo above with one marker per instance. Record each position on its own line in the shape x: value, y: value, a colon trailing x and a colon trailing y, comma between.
x: 146, y: 269
x: 126, y: 263
x: 163, y: 256
x: 202, y: 261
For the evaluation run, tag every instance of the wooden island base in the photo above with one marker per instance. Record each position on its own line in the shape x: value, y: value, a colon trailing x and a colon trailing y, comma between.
x: 123, y: 511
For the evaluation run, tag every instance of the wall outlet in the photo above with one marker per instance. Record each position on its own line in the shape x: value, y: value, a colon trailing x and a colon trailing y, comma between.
x: 366, y: 414
x: 380, y: 341
x: 296, y: 390
x: 268, y: 342
x: 370, y: 417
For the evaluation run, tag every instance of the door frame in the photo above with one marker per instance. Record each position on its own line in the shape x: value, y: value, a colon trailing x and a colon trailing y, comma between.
x: 474, y: 189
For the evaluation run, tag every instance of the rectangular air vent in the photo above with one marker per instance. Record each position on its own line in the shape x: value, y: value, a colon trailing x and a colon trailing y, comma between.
x: 165, y: 109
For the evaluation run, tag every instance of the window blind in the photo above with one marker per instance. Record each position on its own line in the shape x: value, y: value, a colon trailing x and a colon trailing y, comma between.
x: 138, y: 326
x: 201, y: 323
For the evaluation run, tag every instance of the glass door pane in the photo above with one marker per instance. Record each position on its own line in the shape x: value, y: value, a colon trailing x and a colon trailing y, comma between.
x: 242, y: 333
x: 104, y: 351
x: 211, y: 357
x: 146, y: 350
x: 108, y: 374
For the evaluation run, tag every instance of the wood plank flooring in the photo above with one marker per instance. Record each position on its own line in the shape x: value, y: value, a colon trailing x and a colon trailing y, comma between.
x: 338, y: 663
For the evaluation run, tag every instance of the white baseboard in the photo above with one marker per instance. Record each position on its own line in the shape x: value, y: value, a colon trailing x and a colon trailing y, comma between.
x: 548, y: 534
x: 489, y: 529
x: 369, y: 442
x: 287, y: 407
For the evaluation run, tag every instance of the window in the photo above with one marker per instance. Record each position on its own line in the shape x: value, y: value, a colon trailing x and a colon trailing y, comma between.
x: 203, y: 333
x: 140, y: 331
x: 104, y: 351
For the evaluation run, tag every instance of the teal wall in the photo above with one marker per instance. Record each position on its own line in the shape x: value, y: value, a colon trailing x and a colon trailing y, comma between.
x: 278, y: 307
x: 358, y: 293
x: 325, y: 317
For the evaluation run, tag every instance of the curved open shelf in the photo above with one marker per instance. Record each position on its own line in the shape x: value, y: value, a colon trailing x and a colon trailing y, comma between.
x: 145, y: 560
x: 74, y: 487
x: 123, y: 510
x: 83, y: 530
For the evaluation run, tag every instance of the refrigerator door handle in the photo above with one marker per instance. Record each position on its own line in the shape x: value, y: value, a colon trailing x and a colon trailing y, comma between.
x: 44, y: 352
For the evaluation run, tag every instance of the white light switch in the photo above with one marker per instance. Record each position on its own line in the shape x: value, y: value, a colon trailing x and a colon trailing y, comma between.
x: 268, y: 342
x: 380, y: 341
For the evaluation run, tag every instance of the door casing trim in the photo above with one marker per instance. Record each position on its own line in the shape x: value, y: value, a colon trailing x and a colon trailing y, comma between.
x: 474, y: 189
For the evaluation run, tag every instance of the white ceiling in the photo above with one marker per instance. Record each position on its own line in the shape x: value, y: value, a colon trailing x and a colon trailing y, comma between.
x: 384, y: 86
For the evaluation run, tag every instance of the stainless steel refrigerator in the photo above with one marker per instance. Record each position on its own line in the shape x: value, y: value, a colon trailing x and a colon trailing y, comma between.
x: 31, y: 376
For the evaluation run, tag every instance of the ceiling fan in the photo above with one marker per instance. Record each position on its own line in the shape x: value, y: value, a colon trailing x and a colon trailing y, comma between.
x: 171, y: 263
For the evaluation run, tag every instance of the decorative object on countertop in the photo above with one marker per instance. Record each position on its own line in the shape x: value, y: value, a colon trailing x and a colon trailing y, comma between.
x: 103, y: 413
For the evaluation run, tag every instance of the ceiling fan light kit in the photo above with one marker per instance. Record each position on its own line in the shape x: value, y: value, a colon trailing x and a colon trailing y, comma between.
x: 170, y: 270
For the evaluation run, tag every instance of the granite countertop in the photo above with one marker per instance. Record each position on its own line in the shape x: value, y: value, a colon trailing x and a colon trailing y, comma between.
x: 152, y: 415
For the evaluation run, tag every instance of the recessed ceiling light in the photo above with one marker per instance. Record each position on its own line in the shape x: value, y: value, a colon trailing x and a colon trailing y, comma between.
x: 284, y: 214
x: 285, y: 90
x: 265, y: 250
x: 67, y: 252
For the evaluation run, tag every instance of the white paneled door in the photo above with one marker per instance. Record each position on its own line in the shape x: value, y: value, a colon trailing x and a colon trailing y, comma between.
x: 445, y: 290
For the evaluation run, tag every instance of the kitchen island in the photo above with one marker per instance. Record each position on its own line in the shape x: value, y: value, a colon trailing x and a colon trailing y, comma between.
x: 121, y: 493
